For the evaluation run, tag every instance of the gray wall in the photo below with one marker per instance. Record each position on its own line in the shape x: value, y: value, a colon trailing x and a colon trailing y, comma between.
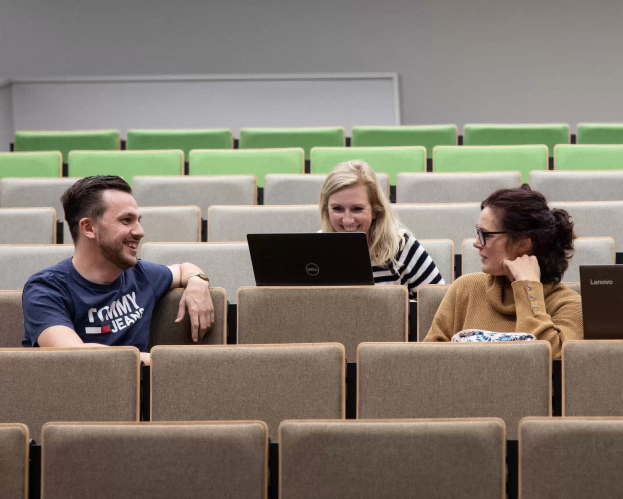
x: 460, y: 61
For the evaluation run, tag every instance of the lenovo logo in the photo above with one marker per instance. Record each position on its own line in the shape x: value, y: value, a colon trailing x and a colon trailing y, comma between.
x: 607, y: 282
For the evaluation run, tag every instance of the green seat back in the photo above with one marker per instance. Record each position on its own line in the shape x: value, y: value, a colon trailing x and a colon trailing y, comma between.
x: 186, y: 140
x: 258, y: 162
x: 31, y: 164
x: 587, y: 157
x: 305, y: 138
x: 92, y: 140
x: 390, y: 160
x: 600, y: 133
x: 523, y: 159
x: 516, y: 135
x: 427, y: 136
x: 126, y: 164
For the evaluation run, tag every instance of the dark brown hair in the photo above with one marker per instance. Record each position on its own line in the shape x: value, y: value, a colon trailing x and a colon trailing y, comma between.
x: 524, y: 213
x: 84, y: 199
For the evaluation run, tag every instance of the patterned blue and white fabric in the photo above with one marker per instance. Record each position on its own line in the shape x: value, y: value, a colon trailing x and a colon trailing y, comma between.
x: 475, y: 335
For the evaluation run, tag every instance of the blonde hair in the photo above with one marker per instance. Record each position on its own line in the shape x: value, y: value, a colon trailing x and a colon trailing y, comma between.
x: 385, y: 241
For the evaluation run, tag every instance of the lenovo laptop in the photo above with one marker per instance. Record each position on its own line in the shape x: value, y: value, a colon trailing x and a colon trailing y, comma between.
x: 310, y: 259
x: 602, y: 301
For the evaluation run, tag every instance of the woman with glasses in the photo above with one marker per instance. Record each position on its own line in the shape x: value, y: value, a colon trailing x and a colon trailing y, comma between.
x: 351, y: 200
x: 525, y: 249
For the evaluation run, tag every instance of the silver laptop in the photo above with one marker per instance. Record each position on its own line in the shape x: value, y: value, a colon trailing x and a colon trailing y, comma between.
x: 602, y: 301
x: 310, y: 259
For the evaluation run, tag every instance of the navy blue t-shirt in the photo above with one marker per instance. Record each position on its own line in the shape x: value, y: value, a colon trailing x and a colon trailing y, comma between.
x: 116, y: 314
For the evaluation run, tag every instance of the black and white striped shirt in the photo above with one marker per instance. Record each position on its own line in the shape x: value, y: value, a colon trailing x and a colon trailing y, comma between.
x: 415, y: 267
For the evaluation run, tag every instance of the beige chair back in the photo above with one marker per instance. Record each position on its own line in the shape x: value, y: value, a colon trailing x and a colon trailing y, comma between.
x: 38, y: 385
x: 455, y: 380
x: 164, y: 330
x: 270, y: 383
x: 14, y: 457
x: 390, y: 459
x: 32, y: 258
x: 315, y: 314
x: 12, y: 323
x: 27, y: 226
x: 574, y: 458
x: 592, y: 376
x: 429, y: 297
x: 190, y: 460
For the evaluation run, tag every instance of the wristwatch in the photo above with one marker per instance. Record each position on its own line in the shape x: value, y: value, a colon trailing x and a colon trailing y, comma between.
x: 200, y: 275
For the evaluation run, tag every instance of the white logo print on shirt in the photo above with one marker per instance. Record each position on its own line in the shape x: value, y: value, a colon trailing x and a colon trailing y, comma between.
x: 119, y: 313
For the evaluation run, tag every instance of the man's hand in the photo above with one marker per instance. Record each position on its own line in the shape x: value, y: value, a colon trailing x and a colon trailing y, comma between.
x: 197, y: 300
x: 524, y: 268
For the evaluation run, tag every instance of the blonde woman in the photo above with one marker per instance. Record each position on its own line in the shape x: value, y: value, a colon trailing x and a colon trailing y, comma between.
x: 351, y: 200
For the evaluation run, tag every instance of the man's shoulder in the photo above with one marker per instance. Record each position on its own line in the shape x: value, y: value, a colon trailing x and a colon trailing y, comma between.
x: 56, y: 274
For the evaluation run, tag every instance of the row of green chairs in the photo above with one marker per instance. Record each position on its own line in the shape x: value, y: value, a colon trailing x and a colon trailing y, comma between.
x: 259, y: 162
x: 427, y: 136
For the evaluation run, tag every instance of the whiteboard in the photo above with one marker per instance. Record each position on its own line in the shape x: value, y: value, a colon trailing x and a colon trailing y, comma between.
x: 225, y: 101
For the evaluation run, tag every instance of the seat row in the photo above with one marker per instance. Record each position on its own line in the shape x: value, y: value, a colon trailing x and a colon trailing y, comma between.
x: 570, y: 457
x: 260, y: 162
x: 427, y: 136
x: 276, y: 382
x: 454, y: 221
x: 229, y: 264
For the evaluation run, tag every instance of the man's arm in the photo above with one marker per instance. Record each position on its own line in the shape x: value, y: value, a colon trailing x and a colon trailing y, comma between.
x: 64, y: 337
x: 196, y: 298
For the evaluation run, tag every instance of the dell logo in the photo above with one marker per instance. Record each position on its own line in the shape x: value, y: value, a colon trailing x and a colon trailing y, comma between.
x: 607, y: 282
x: 312, y: 269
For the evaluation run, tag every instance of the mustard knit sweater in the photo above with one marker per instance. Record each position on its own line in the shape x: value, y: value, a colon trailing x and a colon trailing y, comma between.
x: 550, y: 312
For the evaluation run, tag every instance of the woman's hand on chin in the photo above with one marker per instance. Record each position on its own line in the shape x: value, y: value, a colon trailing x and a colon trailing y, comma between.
x: 524, y: 268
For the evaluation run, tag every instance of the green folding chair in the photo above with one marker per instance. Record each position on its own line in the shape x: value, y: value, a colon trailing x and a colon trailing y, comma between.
x: 90, y: 140
x: 600, y: 133
x: 305, y: 138
x: 523, y: 159
x: 390, y: 160
x: 186, y: 140
x: 126, y: 164
x: 258, y: 162
x: 31, y: 164
x: 516, y: 135
x: 427, y: 136
x: 588, y: 157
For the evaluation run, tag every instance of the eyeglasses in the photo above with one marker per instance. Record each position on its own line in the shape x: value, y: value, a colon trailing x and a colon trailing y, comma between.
x: 483, y: 235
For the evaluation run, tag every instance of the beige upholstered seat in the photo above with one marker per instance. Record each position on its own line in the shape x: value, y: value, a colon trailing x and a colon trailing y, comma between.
x: 574, y: 458
x: 455, y: 221
x: 196, y: 190
x: 38, y: 385
x: 34, y: 193
x: 560, y: 185
x: 595, y: 219
x: 32, y: 258
x: 429, y: 298
x: 592, y: 378
x: 455, y: 187
x: 587, y: 251
x: 12, y: 322
x: 285, y: 189
x: 233, y: 223
x: 266, y: 382
x: 164, y: 330
x: 228, y: 265
x: 442, y: 253
x: 14, y: 453
x: 455, y: 380
x: 166, y: 224
x: 459, y: 458
x: 155, y: 460
x: 315, y: 314
x: 27, y: 226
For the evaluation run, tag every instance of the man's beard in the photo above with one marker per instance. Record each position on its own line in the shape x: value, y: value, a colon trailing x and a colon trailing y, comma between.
x: 116, y: 257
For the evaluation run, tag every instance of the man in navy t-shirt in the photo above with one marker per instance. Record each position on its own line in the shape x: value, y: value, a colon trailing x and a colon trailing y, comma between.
x: 105, y: 296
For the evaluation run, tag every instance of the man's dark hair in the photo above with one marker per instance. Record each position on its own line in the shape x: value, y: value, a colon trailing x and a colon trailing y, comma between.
x: 84, y: 199
x: 525, y: 213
